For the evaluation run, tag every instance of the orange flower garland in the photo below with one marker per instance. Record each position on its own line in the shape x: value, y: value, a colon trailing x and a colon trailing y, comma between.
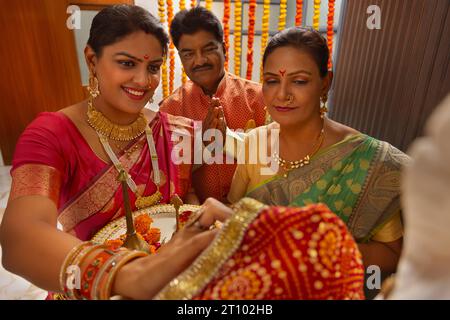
x: 226, y: 29
x: 237, y: 36
x: 165, y: 87
x: 283, y: 13
x: 183, y: 74
x: 264, y: 33
x: 193, y: 3
x: 208, y: 4
x: 299, y: 13
x: 251, y: 37
x: 330, y: 30
x: 316, y: 15
x: 171, y: 46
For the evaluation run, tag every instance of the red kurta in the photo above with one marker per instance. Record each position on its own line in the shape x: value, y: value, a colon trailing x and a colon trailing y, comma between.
x: 241, y: 99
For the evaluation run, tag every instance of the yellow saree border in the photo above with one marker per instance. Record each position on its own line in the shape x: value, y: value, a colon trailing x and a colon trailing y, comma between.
x: 99, y: 193
x: 36, y: 179
x: 194, y: 279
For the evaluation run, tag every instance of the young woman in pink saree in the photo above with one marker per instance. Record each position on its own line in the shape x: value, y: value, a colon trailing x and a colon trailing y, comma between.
x: 54, y: 160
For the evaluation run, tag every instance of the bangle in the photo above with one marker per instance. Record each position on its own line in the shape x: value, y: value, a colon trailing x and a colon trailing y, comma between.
x: 74, y: 292
x: 105, y: 290
x: 92, y: 270
x: 102, y: 276
x: 68, y: 260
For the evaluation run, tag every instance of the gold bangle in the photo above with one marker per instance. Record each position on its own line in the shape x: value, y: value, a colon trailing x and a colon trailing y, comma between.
x: 99, y: 281
x: 68, y: 261
x: 105, y: 293
x: 79, y: 259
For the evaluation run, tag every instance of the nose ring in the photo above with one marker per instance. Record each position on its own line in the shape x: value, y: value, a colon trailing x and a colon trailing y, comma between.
x: 290, y: 99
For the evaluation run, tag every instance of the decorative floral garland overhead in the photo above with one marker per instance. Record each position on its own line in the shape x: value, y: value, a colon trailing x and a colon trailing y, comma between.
x: 171, y: 46
x: 316, y: 15
x: 283, y: 14
x: 237, y: 36
x: 330, y: 31
x: 208, y: 4
x: 299, y: 12
x: 264, y: 33
x: 193, y: 3
x: 183, y: 74
x: 250, y: 37
x: 226, y: 29
x: 165, y: 87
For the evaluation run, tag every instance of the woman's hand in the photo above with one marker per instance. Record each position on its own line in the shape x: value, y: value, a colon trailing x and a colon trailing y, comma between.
x: 143, y: 278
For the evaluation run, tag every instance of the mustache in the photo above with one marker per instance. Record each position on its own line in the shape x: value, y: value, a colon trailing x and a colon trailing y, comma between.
x: 201, y: 67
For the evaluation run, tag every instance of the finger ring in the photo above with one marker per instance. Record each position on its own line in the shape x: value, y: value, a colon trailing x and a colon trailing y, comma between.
x: 195, y: 217
x: 199, y: 226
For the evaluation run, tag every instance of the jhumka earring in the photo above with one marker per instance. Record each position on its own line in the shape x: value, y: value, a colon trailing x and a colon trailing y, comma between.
x: 93, y: 86
x: 268, y: 118
x: 323, y: 108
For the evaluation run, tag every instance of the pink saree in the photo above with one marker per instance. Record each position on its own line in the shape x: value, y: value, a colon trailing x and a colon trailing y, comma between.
x: 53, y: 159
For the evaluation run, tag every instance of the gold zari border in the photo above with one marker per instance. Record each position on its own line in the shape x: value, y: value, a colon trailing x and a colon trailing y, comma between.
x: 195, y: 278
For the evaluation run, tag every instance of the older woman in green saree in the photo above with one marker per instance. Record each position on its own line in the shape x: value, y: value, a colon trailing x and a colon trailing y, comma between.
x: 320, y: 160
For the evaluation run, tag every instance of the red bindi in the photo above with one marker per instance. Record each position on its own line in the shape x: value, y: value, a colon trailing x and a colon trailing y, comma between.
x: 282, y: 72
x: 146, y: 57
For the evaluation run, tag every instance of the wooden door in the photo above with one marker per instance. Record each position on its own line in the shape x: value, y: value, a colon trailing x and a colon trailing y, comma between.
x: 38, y: 63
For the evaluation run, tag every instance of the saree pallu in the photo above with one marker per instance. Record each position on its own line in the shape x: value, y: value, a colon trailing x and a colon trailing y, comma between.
x: 53, y: 159
x: 357, y: 178
x: 274, y: 253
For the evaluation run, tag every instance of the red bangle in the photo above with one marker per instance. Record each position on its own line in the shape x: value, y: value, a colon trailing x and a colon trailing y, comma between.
x: 91, y: 271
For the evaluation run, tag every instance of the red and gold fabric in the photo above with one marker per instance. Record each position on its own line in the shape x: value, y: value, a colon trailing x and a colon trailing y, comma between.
x: 275, y: 253
x: 242, y: 101
x: 53, y: 159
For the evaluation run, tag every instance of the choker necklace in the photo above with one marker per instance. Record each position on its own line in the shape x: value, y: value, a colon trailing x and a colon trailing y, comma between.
x: 141, y: 202
x: 113, y: 131
x: 290, y: 165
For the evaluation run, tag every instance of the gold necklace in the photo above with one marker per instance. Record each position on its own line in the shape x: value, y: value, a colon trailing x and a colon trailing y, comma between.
x: 113, y: 131
x: 288, y: 165
x: 141, y: 201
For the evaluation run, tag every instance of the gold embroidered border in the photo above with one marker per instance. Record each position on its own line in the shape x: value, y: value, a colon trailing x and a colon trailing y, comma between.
x: 36, y: 179
x: 98, y: 194
x: 191, y: 281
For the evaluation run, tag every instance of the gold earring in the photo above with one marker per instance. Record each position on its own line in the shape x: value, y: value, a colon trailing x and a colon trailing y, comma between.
x: 323, y: 108
x: 268, y: 118
x: 93, y: 86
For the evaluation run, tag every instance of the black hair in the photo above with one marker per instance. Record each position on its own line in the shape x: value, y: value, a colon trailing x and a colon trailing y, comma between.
x: 193, y: 20
x: 303, y: 38
x: 114, y: 23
